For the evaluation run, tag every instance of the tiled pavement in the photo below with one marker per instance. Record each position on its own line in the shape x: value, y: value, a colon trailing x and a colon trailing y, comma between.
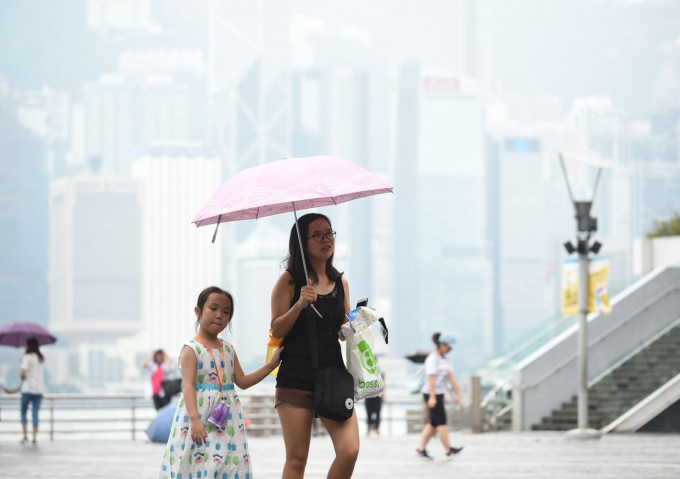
x: 489, y: 455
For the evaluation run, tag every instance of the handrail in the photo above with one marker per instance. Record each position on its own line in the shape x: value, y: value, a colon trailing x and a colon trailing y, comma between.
x: 601, y: 337
x: 257, y: 406
x: 635, y: 351
x: 526, y: 344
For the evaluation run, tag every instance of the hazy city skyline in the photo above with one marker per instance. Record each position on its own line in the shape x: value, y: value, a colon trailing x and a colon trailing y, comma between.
x: 119, y: 118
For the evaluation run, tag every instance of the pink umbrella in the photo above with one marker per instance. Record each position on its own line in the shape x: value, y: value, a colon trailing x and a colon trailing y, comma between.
x: 289, y: 185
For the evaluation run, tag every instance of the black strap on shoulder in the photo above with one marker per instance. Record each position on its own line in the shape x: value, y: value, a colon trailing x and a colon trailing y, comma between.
x: 313, y: 343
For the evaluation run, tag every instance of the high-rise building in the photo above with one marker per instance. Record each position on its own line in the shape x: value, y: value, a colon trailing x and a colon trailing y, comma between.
x: 177, y: 259
x: 94, y: 252
x: 24, y: 184
x: 127, y: 112
x: 330, y: 111
x: 518, y: 238
x: 442, y: 269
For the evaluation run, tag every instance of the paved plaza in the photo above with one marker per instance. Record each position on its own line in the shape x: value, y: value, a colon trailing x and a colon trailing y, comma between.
x: 490, y: 455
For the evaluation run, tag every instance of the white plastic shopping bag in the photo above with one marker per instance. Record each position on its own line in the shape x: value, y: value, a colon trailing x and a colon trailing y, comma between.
x: 361, y: 362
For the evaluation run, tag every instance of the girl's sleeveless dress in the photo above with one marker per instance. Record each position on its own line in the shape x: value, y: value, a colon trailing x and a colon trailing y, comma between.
x: 225, y: 453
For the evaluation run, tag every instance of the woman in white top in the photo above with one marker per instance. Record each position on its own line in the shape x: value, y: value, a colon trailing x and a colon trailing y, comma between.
x: 438, y: 370
x: 32, y: 386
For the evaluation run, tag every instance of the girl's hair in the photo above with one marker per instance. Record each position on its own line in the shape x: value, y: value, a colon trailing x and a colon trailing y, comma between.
x: 293, y: 262
x: 203, y: 297
x: 435, y: 338
x: 33, y: 347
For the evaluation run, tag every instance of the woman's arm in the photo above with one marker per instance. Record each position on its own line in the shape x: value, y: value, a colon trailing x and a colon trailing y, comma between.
x: 348, y: 307
x: 348, y: 303
x: 283, y: 315
x: 432, y: 400
x: 244, y: 381
x: 454, y: 384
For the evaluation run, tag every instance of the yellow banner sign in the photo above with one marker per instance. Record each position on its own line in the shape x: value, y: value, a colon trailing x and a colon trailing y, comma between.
x: 598, y: 294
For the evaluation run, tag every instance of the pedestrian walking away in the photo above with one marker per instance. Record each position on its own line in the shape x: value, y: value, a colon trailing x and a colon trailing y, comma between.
x: 32, y: 387
x: 438, y: 370
x: 208, y: 436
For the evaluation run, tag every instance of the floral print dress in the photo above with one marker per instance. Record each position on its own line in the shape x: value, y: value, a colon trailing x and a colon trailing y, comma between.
x: 224, y: 455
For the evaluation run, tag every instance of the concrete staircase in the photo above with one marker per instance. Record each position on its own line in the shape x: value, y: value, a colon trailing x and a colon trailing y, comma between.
x: 625, y: 386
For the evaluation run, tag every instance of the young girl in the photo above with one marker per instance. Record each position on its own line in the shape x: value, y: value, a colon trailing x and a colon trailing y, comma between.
x: 197, y: 447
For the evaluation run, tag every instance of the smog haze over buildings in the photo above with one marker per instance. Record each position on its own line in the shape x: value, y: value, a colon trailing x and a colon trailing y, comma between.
x: 119, y: 119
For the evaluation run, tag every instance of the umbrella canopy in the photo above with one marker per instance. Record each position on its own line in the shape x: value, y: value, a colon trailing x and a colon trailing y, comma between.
x: 16, y: 334
x: 288, y: 185
x: 159, y: 429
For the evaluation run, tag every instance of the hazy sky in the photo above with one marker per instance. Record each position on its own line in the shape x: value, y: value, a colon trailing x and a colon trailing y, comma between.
x: 561, y: 48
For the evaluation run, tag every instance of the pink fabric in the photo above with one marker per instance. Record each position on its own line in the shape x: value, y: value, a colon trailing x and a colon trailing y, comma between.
x: 272, y: 188
x: 157, y: 380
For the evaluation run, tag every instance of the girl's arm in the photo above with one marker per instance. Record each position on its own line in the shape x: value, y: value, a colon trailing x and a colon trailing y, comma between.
x: 283, y: 315
x: 189, y: 367
x: 244, y: 381
x: 454, y: 384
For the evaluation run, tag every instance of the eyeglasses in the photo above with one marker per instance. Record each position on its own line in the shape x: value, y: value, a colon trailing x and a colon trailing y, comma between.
x: 319, y: 237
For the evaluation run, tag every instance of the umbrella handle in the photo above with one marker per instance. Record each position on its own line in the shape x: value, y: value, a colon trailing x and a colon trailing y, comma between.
x: 302, y: 253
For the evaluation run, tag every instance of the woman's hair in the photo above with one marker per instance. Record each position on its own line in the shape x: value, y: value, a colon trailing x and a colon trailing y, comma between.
x: 203, y: 297
x: 156, y: 354
x: 293, y: 262
x: 33, y: 347
x: 435, y: 338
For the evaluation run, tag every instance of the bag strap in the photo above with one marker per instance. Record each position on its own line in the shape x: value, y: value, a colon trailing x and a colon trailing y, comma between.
x: 313, y: 343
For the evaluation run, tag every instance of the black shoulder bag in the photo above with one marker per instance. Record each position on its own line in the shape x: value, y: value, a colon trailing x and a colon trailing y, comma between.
x: 333, y: 385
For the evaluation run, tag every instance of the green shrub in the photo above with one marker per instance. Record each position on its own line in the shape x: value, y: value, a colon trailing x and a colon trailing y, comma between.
x: 669, y: 227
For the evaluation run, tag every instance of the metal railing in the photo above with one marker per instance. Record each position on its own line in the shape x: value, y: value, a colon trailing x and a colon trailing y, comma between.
x: 128, y: 415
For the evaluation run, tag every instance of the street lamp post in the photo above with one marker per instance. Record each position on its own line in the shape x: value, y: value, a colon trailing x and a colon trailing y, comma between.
x: 585, y: 226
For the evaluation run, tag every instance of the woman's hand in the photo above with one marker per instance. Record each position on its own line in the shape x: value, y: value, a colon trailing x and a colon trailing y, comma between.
x: 432, y: 401
x: 307, y: 295
x: 198, y: 433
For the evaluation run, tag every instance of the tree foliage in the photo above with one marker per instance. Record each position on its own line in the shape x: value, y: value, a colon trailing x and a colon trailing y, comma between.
x: 669, y: 227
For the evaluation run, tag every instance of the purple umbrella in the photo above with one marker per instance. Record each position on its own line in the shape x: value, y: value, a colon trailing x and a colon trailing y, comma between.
x: 16, y: 334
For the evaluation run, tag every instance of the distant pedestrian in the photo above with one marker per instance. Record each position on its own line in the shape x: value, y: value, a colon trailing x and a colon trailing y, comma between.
x: 32, y: 386
x: 160, y: 365
x: 438, y: 370
x: 373, y: 408
x: 208, y: 436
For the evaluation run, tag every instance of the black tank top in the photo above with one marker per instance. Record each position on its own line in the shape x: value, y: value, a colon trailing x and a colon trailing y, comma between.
x: 295, y: 370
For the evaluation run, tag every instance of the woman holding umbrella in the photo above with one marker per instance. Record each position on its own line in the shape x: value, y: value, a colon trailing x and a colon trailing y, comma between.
x: 32, y: 386
x: 327, y: 291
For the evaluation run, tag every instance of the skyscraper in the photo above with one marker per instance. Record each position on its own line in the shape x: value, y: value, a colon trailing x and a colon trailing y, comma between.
x: 94, y: 250
x: 441, y: 265
x: 23, y: 217
x: 177, y: 259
